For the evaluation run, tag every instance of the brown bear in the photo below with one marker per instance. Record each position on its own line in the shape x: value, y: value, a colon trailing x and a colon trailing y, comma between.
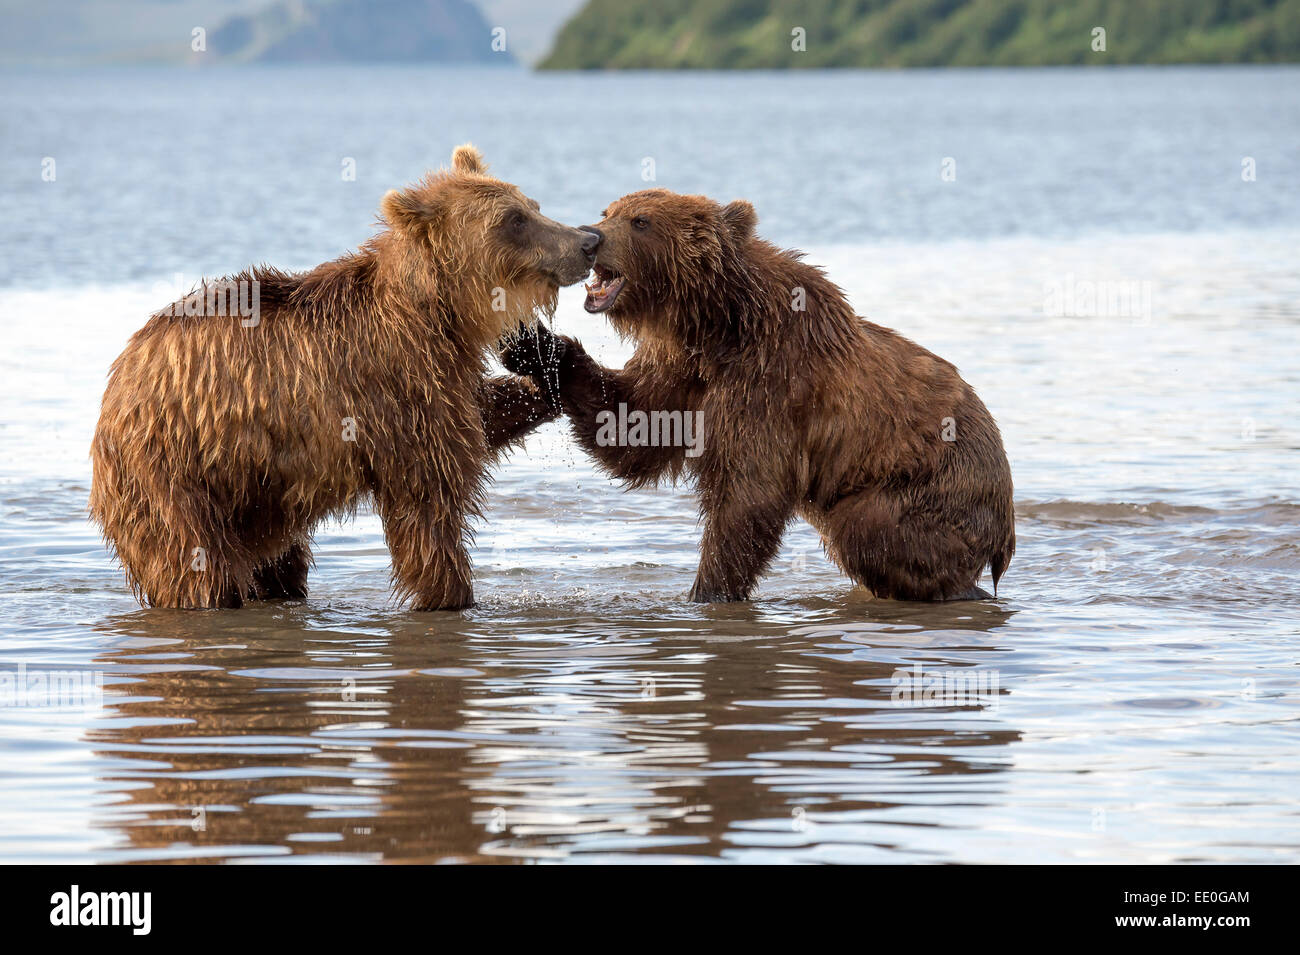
x: 806, y: 408
x: 239, y: 418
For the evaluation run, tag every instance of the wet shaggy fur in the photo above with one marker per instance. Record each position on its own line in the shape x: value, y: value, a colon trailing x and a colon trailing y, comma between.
x: 813, y: 412
x: 222, y: 444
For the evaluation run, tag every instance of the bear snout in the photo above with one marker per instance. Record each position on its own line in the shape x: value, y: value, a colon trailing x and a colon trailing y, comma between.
x: 591, y: 239
x: 578, y: 257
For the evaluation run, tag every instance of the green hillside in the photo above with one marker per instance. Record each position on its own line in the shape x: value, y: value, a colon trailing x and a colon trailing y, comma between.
x: 757, y: 34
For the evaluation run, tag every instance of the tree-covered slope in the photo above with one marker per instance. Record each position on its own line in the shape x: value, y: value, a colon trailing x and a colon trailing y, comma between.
x: 760, y: 34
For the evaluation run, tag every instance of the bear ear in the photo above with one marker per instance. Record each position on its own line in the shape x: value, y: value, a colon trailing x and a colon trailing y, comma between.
x: 468, y: 159
x: 403, y: 210
x: 740, y: 218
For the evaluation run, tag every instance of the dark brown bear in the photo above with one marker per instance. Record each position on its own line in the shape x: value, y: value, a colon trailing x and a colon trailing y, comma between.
x: 239, y: 418
x: 807, y: 409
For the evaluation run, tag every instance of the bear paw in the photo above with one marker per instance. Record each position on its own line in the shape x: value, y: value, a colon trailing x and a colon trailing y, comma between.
x: 534, y: 352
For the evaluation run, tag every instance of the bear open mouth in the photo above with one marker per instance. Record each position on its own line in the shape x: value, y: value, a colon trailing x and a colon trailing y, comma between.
x: 603, y: 289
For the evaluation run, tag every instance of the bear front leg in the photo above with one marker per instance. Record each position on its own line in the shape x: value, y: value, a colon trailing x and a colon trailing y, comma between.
x: 512, y: 408
x: 592, y: 396
x: 430, y: 560
x: 596, y: 399
x: 742, y: 534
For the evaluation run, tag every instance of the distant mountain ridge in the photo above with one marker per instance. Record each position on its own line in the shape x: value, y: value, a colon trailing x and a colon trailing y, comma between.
x: 416, y: 31
x: 760, y: 34
x: 57, y: 33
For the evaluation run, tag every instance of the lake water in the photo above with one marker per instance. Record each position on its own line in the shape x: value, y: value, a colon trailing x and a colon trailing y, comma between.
x: 1131, y: 696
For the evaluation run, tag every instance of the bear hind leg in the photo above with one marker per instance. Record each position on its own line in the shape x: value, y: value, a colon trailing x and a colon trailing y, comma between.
x: 283, y: 577
x: 182, y: 577
x: 900, y: 555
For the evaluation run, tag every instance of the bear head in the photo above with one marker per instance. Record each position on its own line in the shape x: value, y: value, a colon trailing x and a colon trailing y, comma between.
x: 481, y: 246
x: 671, y: 264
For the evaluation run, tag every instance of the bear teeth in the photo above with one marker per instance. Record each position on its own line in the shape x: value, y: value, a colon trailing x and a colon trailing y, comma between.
x: 598, y: 285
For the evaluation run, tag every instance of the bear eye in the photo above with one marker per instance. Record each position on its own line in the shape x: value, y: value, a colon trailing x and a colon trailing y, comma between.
x: 518, y: 221
x: 640, y: 222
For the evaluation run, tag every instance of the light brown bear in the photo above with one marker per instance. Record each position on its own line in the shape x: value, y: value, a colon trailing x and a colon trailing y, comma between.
x: 806, y: 408
x: 238, y: 419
